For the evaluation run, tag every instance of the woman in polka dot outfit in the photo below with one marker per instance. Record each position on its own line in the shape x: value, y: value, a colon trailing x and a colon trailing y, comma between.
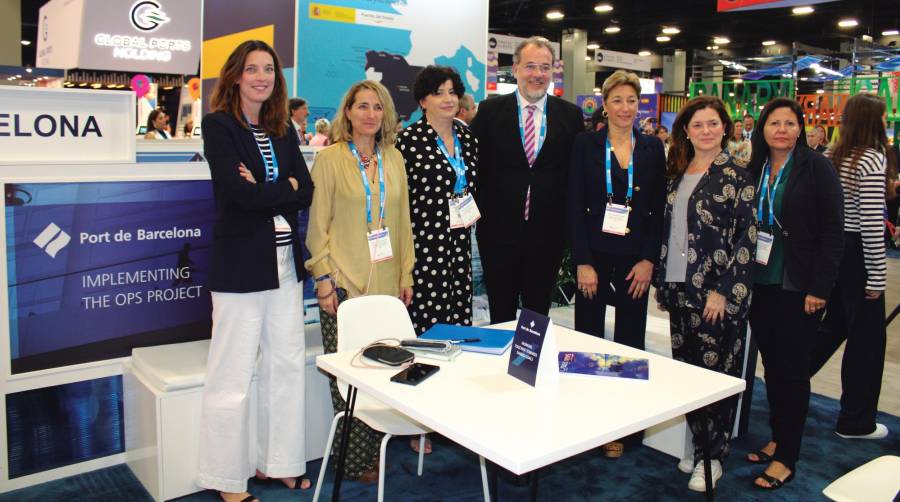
x: 440, y: 154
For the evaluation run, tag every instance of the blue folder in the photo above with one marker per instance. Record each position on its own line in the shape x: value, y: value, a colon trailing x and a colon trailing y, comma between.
x: 493, y: 341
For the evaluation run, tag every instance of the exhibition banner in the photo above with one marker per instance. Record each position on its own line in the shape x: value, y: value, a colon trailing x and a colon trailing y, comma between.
x: 745, y: 96
x: 742, y: 5
x: 152, y: 36
x: 389, y: 43
x: 66, y: 125
x: 96, y: 269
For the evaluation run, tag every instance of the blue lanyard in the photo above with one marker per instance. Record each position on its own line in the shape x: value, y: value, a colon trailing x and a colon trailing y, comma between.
x: 769, y: 195
x: 456, y: 162
x: 609, y: 185
x: 365, y: 180
x: 271, y: 167
x: 543, y: 133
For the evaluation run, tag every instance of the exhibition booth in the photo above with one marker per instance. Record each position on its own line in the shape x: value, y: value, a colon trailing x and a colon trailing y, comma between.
x: 108, y: 235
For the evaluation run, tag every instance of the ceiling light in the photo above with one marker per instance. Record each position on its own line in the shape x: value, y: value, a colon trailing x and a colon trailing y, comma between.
x: 803, y: 10
x: 804, y: 78
x: 715, y: 47
x: 593, y: 46
x: 738, y: 81
x: 848, y: 23
x: 670, y: 30
x: 721, y: 40
x: 644, y: 53
x: 603, y: 7
x: 820, y: 91
x: 555, y: 15
x: 889, y: 33
x: 26, y: 42
x: 96, y: 85
x: 612, y: 29
x: 662, y: 38
x: 588, y: 58
x: 83, y: 84
x: 29, y: 70
x: 768, y: 42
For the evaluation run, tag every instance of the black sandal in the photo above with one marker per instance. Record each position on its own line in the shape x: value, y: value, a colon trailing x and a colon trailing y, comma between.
x: 761, y: 457
x: 774, y: 483
x: 298, y: 483
x: 248, y: 498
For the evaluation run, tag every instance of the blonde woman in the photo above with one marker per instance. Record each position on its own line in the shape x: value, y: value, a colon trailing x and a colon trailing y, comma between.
x: 360, y: 236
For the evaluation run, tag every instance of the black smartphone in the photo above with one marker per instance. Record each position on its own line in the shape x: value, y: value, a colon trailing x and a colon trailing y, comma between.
x: 415, y: 373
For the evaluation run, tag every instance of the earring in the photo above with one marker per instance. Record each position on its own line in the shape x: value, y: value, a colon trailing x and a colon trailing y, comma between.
x: 604, y: 113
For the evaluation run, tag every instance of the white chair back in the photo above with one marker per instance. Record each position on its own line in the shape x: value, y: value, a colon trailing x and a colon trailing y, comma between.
x: 365, y: 319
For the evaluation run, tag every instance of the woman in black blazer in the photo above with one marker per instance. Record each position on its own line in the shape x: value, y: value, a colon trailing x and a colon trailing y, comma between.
x: 705, y: 271
x: 616, y: 172
x: 260, y: 182
x: 793, y: 279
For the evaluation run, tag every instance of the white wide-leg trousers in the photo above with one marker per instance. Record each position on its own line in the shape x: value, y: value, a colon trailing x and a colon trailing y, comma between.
x: 243, y: 323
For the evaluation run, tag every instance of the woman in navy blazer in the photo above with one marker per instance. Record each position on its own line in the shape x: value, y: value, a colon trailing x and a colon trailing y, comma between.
x: 614, y: 264
x: 260, y: 182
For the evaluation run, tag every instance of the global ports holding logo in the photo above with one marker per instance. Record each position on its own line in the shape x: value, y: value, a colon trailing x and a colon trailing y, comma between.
x: 147, y: 15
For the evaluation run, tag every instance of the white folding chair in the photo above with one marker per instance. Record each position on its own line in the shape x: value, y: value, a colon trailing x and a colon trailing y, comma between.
x: 875, y: 481
x: 360, y: 322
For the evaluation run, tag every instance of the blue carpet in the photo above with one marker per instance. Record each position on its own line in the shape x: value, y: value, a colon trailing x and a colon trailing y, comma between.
x: 451, y: 472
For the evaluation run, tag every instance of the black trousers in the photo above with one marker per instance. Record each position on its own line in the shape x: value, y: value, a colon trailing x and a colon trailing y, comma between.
x: 526, y: 271
x: 860, y: 322
x: 785, y: 335
x: 612, y: 289
x: 717, y: 347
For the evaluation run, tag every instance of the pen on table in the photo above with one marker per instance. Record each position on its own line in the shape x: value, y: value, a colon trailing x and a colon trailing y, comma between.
x: 466, y: 340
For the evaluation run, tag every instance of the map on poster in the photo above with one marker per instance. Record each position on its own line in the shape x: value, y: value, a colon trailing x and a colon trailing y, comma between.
x: 343, y: 41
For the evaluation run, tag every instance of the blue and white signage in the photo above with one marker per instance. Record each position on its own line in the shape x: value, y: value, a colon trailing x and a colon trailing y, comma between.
x: 533, y: 358
x: 66, y: 125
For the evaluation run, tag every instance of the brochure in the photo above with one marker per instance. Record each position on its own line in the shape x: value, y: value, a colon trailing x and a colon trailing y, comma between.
x: 609, y: 365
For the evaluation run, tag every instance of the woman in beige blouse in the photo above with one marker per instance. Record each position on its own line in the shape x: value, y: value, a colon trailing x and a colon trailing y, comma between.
x: 360, y: 202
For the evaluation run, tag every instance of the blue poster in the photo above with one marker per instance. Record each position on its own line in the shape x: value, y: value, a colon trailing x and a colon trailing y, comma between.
x: 531, y: 330
x: 95, y: 269
x: 389, y: 42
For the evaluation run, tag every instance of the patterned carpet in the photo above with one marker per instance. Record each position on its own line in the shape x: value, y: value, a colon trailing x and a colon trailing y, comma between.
x: 451, y: 473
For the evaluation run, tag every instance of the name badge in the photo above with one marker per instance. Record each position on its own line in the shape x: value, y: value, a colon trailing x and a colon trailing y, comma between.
x: 455, y: 218
x: 763, y: 247
x: 379, y: 245
x: 615, y: 220
x: 468, y: 210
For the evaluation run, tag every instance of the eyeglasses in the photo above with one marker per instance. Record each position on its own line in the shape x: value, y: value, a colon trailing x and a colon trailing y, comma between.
x: 537, y: 68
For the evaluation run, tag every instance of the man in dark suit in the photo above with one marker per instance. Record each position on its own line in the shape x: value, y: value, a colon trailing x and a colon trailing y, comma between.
x: 524, y: 145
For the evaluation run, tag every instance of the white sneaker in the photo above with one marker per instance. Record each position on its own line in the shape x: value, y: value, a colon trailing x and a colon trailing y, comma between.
x: 698, y: 478
x: 686, y: 465
x: 881, y: 431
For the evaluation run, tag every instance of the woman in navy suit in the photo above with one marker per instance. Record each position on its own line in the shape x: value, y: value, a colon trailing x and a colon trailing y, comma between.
x: 615, y: 211
x: 260, y: 182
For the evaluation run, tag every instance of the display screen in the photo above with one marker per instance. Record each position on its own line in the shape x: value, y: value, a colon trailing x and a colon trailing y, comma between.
x: 96, y: 269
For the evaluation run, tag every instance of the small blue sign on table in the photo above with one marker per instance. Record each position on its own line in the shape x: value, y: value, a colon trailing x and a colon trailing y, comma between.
x: 533, y: 358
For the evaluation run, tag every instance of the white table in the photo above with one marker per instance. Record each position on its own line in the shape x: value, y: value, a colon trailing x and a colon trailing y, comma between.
x: 473, y: 402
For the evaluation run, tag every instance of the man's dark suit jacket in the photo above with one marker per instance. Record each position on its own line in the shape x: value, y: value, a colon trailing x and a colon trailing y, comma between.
x: 243, y: 253
x: 504, y: 175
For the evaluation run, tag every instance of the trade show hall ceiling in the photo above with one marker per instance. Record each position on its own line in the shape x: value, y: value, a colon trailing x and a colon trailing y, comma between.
x: 640, y: 22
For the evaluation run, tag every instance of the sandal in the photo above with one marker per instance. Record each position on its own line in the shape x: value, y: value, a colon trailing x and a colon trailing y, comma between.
x: 774, y: 483
x: 414, y: 445
x: 248, y: 498
x: 298, y: 481
x: 613, y: 449
x: 761, y: 457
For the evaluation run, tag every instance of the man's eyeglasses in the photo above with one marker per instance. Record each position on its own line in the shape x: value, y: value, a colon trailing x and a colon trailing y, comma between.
x: 537, y: 68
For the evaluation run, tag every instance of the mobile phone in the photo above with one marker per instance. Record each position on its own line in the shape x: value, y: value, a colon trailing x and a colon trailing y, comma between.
x: 415, y: 373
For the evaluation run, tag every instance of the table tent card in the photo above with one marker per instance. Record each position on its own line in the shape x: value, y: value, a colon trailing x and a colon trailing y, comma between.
x: 533, y: 358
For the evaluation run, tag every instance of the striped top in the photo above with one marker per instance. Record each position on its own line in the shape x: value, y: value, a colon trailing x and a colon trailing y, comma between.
x: 864, y: 207
x: 283, y: 234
